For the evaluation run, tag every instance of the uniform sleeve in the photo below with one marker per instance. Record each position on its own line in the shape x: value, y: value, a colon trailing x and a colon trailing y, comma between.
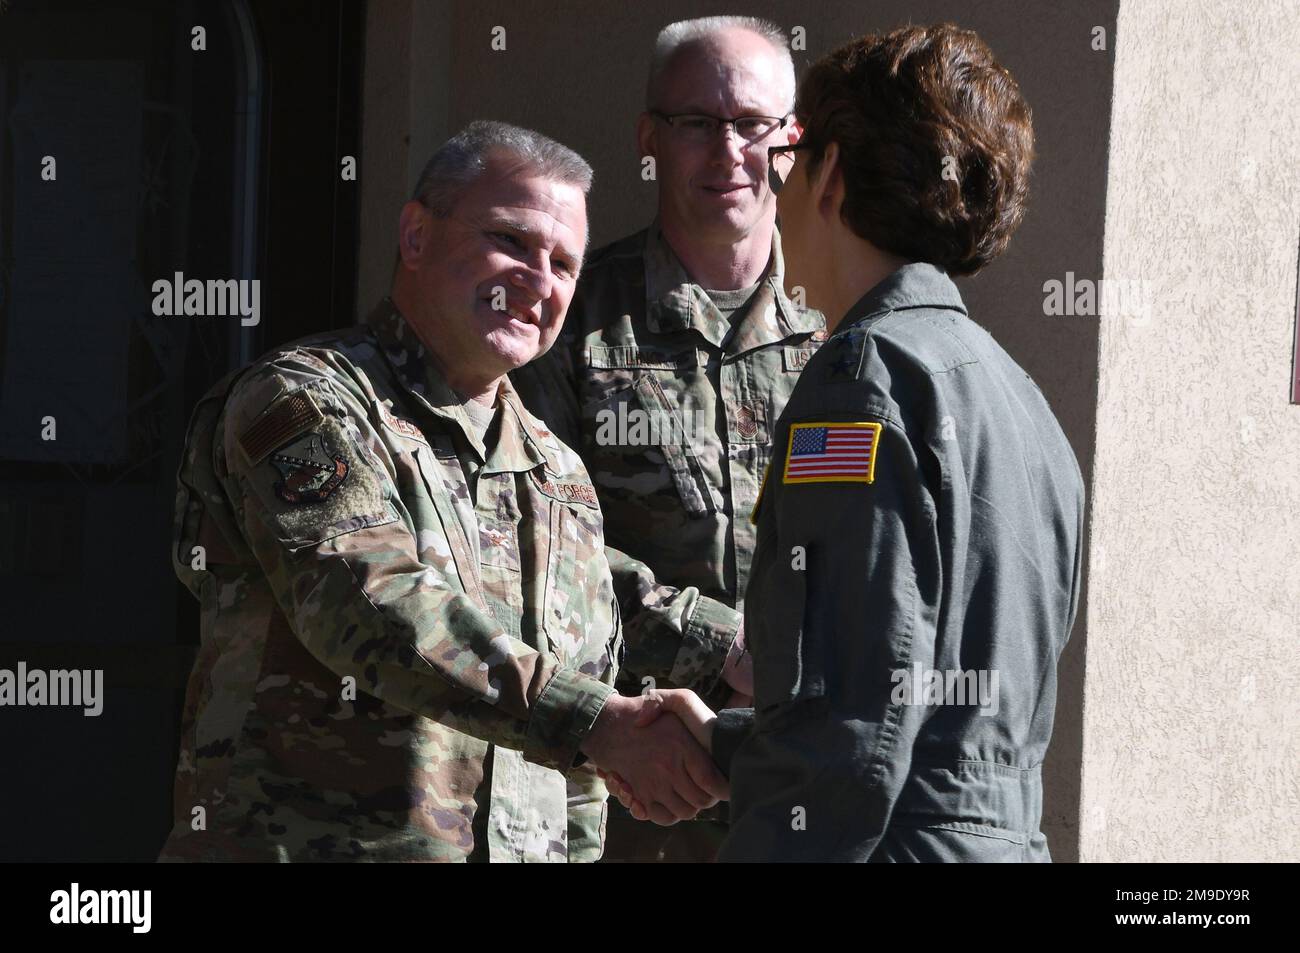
x: 320, y: 508
x: 675, y: 636
x: 843, y: 567
x: 678, y: 637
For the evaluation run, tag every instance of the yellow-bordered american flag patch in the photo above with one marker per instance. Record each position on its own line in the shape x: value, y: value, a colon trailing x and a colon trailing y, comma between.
x: 828, y: 451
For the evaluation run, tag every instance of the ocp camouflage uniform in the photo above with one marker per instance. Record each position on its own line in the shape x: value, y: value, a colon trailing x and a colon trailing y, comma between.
x: 644, y: 346
x: 407, y: 629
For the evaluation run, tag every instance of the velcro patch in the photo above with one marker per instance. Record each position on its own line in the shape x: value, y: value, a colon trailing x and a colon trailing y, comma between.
x: 832, y: 452
x: 287, y: 418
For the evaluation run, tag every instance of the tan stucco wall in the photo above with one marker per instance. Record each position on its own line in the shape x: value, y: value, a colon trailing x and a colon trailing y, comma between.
x: 576, y: 70
x: 1192, y: 738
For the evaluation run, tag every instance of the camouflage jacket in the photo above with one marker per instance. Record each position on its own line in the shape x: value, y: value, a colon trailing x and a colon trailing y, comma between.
x: 672, y: 410
x: 406, y: 633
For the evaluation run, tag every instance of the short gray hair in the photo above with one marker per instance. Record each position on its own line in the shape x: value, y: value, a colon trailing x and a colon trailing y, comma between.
x: 462, y: 158
x: 676, y: 35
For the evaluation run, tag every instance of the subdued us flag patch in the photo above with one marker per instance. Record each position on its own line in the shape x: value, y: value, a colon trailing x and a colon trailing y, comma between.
x: 832, y: 452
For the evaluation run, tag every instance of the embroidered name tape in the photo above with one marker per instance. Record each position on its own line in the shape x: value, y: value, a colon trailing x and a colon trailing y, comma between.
x: 567, y: 492
x: 832, y: 452
x: 400, y: 425
x: 797, y: 358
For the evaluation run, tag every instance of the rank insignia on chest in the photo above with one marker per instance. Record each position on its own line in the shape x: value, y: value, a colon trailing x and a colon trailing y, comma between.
x: 310, y: 471
x: 832, y: 452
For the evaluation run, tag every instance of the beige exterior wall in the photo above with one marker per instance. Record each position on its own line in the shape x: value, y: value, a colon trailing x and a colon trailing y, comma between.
x: 1192, y: 738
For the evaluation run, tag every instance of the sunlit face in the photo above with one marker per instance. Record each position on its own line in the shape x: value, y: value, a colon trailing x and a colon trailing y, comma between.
x: 496, y: 276
x: 717, y: 190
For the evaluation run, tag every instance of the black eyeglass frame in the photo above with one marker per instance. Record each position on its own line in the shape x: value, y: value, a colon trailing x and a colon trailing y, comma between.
x: 774, y: 181
x: 780, y: 122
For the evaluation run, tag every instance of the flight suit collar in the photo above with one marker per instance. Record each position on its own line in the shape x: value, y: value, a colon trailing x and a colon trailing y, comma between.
x: 519, y: 445
x: 917, y: 284
x: 675, y: 303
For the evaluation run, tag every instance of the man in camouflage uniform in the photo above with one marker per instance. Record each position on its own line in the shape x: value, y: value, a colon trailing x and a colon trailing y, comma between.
x: 680, y: 352
x: 409, y: 632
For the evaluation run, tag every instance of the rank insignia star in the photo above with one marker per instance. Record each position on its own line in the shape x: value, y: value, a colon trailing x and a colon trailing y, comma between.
x: 847, y: 359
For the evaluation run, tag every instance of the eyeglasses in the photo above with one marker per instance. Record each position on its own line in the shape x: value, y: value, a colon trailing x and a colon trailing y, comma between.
x: 699, y: 129
x: 775, y: 179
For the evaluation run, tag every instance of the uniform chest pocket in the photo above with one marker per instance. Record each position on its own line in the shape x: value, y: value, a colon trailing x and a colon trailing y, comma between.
x: 578, y: 613
x: 631, y: 428
x: 498, y: 523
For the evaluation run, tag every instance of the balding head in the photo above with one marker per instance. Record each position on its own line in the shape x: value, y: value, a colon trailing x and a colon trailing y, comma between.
x: 726, y: 40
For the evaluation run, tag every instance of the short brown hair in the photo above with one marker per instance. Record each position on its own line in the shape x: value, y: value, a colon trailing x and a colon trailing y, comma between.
x: 899, y: 105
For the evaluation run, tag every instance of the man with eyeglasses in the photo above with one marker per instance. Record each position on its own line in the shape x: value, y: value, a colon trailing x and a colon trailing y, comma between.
x: 680, y: 351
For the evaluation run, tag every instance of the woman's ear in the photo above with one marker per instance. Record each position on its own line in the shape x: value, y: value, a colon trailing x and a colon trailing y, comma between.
x: 827, y: 187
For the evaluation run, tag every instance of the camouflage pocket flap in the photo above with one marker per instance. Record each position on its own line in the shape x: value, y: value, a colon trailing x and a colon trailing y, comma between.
x: 632, y: 356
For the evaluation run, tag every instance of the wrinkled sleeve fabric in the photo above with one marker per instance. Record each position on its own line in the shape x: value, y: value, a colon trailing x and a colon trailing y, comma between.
x: 347, y: 572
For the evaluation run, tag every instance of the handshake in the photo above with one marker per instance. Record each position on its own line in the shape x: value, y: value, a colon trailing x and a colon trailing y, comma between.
x: 653, y: 752
x: 661, y: 768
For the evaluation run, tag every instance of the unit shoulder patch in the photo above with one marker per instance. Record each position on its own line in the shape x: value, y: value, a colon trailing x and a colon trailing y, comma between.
x: 309, y: 470
x: 826, y: 451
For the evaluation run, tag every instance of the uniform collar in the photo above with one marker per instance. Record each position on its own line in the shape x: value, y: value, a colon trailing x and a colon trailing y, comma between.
x: 675, y: 303
x: 917, y: 284
x: 521, y: 442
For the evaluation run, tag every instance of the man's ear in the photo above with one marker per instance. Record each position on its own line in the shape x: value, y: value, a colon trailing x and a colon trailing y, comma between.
x: 645, y: 135
x: 827, y: 186
x: 794, y: 132
x: 414, y: 231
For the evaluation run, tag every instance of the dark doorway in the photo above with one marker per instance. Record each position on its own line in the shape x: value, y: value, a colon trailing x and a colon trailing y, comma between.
x: 141, y: 138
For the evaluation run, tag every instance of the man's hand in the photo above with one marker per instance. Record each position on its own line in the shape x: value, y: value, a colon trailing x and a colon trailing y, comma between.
x: 693, y: 714
x: 668, y: 766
